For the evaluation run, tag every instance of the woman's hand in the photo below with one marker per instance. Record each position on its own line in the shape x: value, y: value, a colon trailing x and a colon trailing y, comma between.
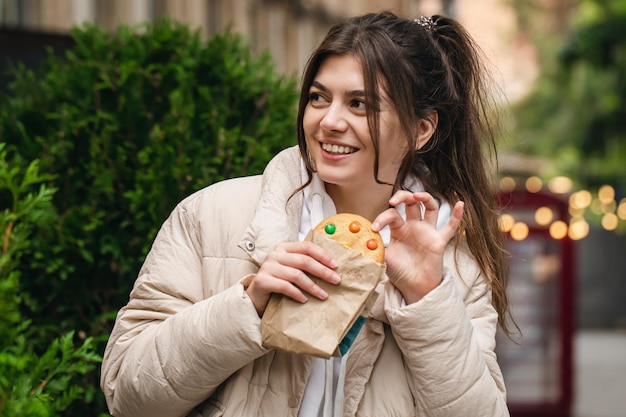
x: 284, y: 272
x: 415, y: 254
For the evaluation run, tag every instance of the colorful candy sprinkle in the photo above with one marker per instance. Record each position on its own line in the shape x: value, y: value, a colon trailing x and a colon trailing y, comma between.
x: 355, y: 227
x: 371, y: 244
x: 330, y: 228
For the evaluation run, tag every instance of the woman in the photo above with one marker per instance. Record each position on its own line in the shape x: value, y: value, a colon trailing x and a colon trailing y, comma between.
x: 391, y: 126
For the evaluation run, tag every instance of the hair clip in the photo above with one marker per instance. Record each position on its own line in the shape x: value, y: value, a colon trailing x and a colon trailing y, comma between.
x: 427, y: 23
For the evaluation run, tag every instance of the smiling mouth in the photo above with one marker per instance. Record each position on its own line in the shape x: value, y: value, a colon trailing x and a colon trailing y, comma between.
x: 338, y: 149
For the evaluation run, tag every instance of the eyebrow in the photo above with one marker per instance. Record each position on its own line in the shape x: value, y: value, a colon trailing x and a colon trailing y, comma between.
x: 352, y: 93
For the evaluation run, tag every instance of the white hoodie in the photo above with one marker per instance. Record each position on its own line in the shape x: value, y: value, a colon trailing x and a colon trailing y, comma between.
x: 323, y: 396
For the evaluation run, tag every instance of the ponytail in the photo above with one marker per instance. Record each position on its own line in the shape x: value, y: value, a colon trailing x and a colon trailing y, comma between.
x: 471, y: 149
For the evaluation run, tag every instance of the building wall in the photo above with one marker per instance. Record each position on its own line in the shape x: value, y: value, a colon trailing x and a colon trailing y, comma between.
x: 289, y: 29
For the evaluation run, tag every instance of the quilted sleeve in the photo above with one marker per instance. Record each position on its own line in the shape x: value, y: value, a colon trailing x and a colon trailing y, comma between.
x: 448, y: 341
x: 169, y: 348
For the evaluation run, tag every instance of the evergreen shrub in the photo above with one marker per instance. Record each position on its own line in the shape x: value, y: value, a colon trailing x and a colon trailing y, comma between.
x: 129, y: 123
x: 36, y: 379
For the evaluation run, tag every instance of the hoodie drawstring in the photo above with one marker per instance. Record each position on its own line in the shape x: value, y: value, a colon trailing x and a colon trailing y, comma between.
x: 333, y: 397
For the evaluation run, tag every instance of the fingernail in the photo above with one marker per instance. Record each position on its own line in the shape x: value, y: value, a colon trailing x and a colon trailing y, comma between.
x: 333, y: 263
x: 323, y: 294
x: 375, y: 226
x: 335, y: 278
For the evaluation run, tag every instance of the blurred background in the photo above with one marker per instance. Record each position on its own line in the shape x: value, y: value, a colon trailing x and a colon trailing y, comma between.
x: 559, y: 72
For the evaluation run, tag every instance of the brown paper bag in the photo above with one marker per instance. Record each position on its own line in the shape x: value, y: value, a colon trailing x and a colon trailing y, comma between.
x: 317, y: 327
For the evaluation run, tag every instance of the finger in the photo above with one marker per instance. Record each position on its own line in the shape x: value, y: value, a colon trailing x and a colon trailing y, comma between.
x: 287, y: 289
x: 413, y: 209
x: 393, y: 219
x: 299, y: 264
x: 390, y: 217
x: 299, y: 284
x: 309, y: 257
x: 292, y: 261
x: 430, y: 206
x: 401, y: 196
x: 265, y: 283
x: 293, y: 268
x: 449, y: 230
x: 310, y: 249
x: 276, y: 277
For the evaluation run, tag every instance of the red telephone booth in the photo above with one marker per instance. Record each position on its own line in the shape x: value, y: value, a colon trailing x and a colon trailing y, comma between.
x: 537, y: 365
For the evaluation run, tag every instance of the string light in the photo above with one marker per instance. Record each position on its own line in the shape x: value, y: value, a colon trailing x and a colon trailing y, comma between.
x: 606, y: 194
x: 507, y: 184
x: 558, y: 230
x: 543, y: 216
x: 519, y: 231
x: 603, y: 204
x: 578, y: 229
x: 580, y: 199
x: 534, y: 184
x: 560, y: 185
x: 610, y: 221
x: 506, y: 222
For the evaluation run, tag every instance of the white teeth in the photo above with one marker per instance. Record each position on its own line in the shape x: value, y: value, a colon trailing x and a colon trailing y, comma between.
x: 337, y: 148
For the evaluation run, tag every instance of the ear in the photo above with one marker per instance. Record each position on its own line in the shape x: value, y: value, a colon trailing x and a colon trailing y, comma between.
x: 426, y: 129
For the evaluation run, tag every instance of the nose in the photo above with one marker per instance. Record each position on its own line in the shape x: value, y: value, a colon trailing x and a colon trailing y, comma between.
x: 334, y: 120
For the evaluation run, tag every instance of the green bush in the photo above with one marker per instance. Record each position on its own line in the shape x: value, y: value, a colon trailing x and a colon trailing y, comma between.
x: 31, y: 383
x: 129, y: 123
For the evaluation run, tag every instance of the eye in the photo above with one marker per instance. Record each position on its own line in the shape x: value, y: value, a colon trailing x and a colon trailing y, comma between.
x: 358, y: 105
x: 316, y: 98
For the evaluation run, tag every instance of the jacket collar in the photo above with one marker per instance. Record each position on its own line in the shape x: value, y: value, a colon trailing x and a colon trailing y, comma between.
x: 276, y: 218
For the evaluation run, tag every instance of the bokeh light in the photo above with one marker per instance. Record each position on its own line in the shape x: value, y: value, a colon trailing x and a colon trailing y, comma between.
x: 507, y: 184
x: 506, y: 222
x: 543, y: 216
x: 580, y: 199
x: 578, y: 229
x: 519, y: 231
x: 560, y: 185
x: 534, y: 184
x: 606, y: 194
x: 610, y: 221
x: 576, y: 212
x: 558, y: 230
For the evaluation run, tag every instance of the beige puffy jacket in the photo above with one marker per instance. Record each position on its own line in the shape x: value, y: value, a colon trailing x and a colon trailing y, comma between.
x: 188, y: 342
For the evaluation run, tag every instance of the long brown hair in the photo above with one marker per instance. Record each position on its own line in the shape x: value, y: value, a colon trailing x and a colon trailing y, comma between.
x: 427, y: 67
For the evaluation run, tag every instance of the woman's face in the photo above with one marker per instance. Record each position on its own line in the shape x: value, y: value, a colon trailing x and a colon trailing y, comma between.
x: 337, y: 133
